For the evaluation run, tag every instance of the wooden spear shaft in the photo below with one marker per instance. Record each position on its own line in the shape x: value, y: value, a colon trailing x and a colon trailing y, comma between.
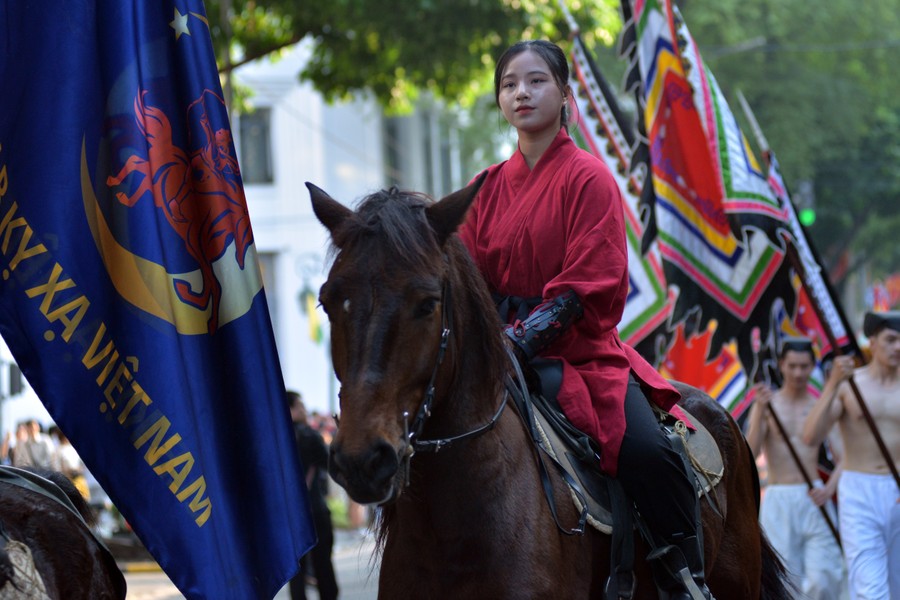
x: 806, y: 478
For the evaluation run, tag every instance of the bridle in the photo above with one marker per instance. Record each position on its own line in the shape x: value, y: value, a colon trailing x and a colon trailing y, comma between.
x: 412, y: 432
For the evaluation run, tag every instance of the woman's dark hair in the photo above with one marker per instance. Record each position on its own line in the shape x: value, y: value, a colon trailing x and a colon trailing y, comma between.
x: 552, y: 55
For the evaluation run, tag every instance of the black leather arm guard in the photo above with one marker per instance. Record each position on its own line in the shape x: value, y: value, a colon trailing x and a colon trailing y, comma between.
x: 545, y: 323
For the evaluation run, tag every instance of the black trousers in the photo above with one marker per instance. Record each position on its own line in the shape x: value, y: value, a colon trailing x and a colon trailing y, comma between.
x: 653, y: 473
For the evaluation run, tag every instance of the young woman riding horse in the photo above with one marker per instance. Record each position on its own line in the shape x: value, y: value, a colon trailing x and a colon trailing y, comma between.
x: 549, y: 224
x: 416, y: 345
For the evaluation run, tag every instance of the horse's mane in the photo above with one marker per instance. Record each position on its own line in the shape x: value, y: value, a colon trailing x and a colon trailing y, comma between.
x: 385, y: 215
x: 481, y: 309
x: 397, y: 220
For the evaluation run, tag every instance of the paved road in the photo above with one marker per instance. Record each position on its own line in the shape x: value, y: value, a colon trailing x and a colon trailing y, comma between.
x: 352, y: 563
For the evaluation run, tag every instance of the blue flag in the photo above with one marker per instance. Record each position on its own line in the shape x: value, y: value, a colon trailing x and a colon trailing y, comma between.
x: 130, y: 291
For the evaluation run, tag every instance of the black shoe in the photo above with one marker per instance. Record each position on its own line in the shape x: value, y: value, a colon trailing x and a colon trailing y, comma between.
x: 692, y: 551
x: 679, y: 570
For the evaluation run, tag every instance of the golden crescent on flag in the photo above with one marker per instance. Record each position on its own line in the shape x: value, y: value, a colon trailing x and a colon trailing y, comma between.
x: 149, y: 287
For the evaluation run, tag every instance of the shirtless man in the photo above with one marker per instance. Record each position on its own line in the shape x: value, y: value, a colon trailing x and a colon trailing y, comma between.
x: 790, y: 513
x: 868, y: 496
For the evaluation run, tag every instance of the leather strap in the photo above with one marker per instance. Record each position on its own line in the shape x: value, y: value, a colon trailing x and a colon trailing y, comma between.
x: 522, y: 399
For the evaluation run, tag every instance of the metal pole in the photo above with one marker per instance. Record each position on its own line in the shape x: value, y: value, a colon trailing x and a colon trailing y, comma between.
x: 332, y: 384
x: 570, y: 21
x: 225, y: 13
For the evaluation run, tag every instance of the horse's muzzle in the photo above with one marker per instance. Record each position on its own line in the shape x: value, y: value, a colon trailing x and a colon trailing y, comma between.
x: 369, y: 476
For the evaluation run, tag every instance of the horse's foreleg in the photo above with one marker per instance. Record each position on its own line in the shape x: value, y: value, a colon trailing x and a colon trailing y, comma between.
x: 132, y: 165
x: 215, y: 293
x: 211, y: 293
x: 187, y: 294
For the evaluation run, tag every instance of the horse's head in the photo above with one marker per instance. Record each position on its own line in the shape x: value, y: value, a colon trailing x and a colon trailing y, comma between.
x: 387, y: 298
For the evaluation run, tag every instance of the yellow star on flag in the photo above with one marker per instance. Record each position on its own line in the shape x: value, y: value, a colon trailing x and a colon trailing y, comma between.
x: 179, y: 24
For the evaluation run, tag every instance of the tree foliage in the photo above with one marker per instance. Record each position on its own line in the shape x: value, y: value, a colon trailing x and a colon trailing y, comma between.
x: 858, y: 196
x: 820, y: 79
x: 395, y: 49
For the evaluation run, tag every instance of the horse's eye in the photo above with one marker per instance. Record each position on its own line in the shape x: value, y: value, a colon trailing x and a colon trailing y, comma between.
x: 426, y: 307
x: 346, y: 305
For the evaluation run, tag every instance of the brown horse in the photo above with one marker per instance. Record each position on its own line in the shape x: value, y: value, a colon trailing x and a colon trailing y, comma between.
x: 416, y: 347
x: 46, y: 547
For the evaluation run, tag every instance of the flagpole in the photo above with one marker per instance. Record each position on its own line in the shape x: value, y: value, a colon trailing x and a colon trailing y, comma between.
x: 754, y: 124
x: 796, y: 262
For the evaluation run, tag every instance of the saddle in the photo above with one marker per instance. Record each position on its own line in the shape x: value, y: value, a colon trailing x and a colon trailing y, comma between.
x: 24, y: 581
x: 566, y: 445
x: 577, y: 454
x: 598, y: 497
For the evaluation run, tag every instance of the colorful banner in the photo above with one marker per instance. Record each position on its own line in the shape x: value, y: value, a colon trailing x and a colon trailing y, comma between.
x: 695, y: 174
x: 131, y: 294
x: 884, y: 294
x: 818, y: 314
x: 820, y: 301
x: 646, y: 323
x: 719, y: 222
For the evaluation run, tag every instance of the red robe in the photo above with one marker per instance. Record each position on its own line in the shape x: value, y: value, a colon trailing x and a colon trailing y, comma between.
x: 556, y: 228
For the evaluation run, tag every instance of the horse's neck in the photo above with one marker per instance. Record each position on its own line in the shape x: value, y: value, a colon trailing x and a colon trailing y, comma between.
x: 471, y: 481
x: 466, y: 507
x: 450, y: 489
x: 468, y: 400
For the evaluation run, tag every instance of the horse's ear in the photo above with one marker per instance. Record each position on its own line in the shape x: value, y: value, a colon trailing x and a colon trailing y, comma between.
x: 447, y: 215
x: 329, y: 211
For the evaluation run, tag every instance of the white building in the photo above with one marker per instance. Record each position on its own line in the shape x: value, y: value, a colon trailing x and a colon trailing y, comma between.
x: 292, y: 137
x: 18, y: 402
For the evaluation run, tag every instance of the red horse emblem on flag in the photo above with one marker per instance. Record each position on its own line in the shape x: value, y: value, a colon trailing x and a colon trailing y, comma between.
x: 199, y: 193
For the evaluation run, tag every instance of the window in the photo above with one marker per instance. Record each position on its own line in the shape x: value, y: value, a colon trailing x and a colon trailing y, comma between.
x: 256, y: 155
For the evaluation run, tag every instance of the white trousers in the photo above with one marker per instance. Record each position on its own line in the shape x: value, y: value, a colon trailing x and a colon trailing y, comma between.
x: 870, y: 532
x: 800, y: 534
